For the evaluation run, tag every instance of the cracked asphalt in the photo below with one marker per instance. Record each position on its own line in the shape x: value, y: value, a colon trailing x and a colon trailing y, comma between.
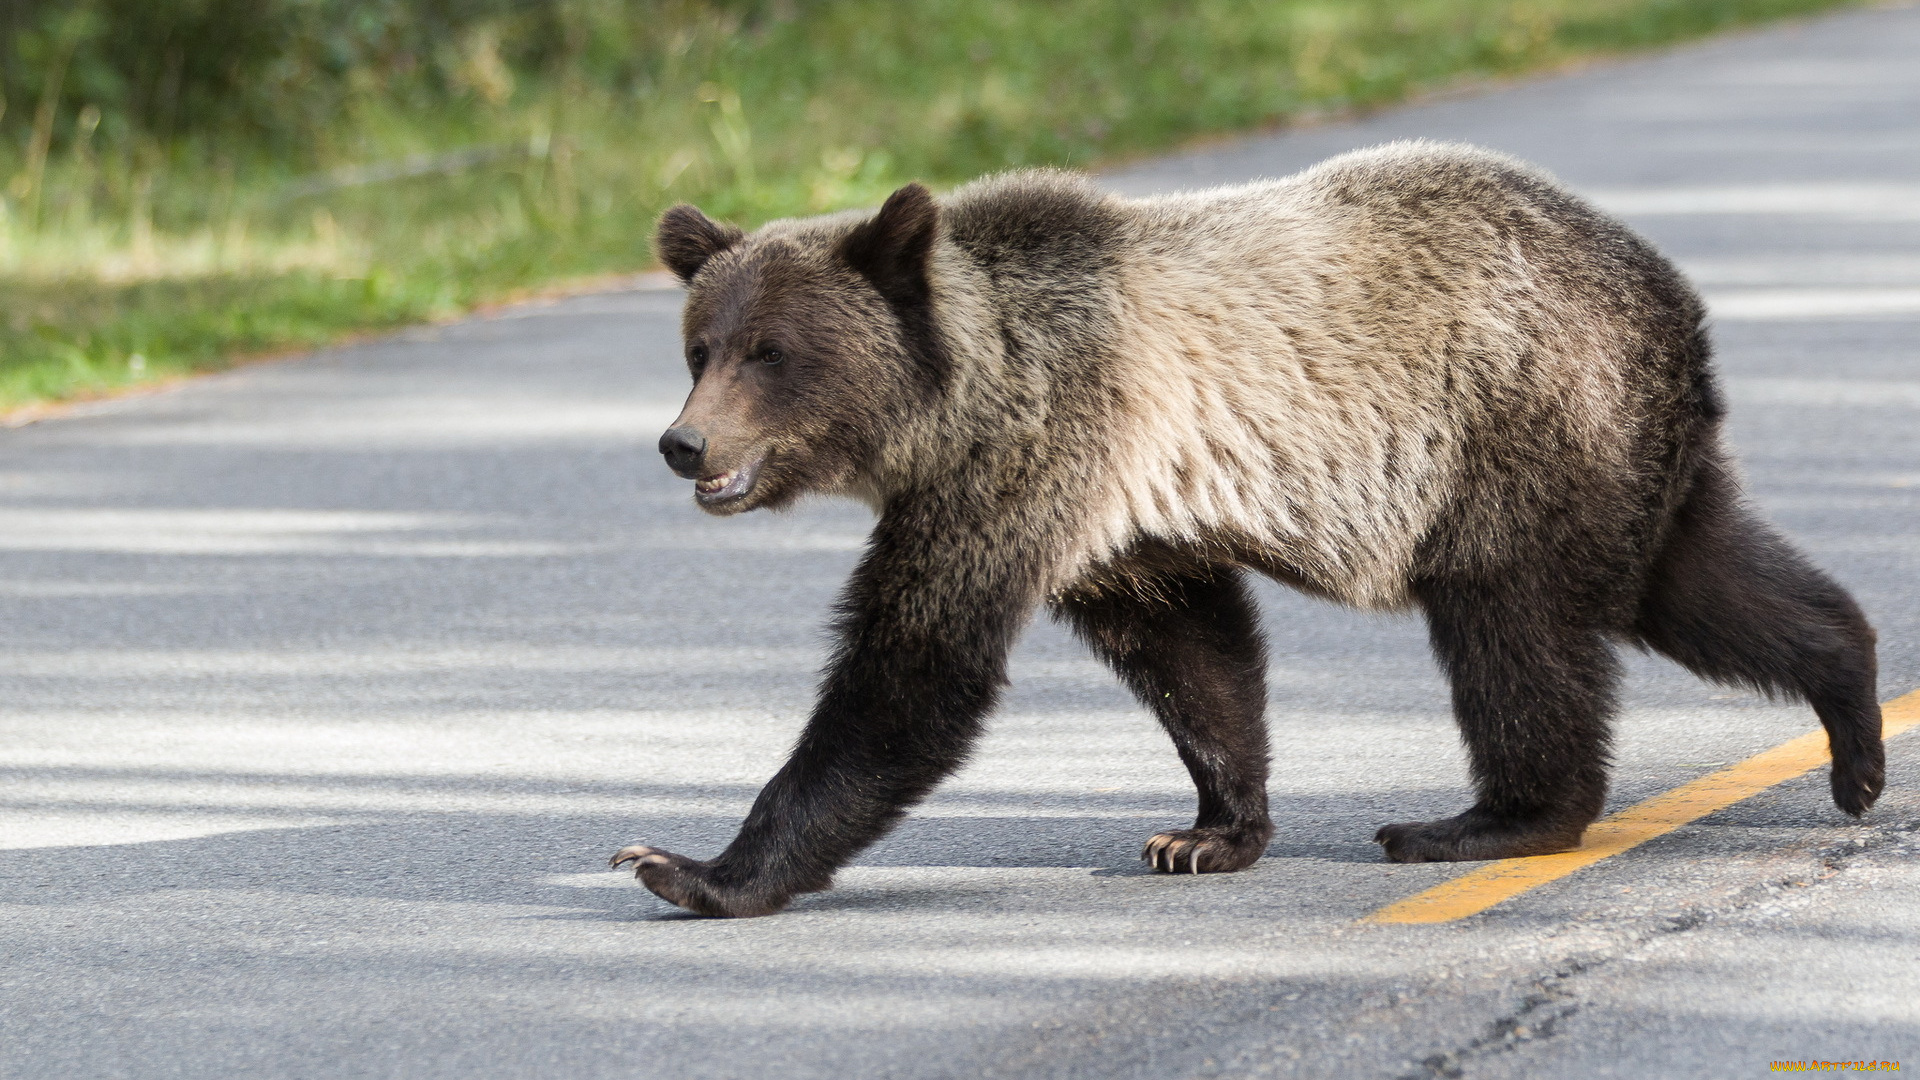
x: 327, y: 685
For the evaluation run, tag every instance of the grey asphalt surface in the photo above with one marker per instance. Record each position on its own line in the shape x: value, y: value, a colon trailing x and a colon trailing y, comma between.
x: 327, y: 685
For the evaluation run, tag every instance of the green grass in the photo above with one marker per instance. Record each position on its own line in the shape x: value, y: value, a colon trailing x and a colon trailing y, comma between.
x: 133, y: 257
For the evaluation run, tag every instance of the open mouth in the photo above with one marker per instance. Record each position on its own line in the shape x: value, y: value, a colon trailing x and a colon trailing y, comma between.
x: 727, y: 486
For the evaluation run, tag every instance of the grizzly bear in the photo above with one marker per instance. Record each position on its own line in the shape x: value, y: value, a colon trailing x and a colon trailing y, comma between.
x: 1420, y: 376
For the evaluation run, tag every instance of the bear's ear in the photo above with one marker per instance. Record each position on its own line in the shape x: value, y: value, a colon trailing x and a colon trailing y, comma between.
x: 891, y: 249
x: 686, y: 238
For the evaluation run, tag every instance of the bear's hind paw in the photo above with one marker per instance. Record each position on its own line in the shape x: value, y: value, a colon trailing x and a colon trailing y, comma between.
x: 1475, y: 836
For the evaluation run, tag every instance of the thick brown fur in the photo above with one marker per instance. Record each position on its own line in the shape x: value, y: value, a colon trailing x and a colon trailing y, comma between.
x: 1419, y: 376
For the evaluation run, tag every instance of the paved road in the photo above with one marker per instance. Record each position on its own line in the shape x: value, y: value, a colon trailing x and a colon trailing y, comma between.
x: 326, y: 685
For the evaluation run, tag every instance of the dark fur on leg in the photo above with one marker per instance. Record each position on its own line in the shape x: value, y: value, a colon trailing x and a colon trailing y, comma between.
x: 1190, y: 648
x: 1733, y: 602
x: 1533, y: 690
x: 925, y: 629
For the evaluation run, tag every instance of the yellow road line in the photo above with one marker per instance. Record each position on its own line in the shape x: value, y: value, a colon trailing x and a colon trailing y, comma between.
x: 1475, y: 892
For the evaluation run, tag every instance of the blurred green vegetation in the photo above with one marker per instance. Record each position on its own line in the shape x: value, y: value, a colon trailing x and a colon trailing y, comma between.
x: 188, y: 180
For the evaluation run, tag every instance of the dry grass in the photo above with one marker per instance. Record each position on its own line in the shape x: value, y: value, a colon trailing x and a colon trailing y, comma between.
x: 129, y: 261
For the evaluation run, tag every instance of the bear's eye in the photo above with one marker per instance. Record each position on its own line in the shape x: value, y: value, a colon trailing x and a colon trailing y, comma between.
x: 697, y: 356
x: 771, y: 357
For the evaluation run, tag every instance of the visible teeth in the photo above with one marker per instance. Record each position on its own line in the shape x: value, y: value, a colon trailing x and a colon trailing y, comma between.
x: 714, y: 483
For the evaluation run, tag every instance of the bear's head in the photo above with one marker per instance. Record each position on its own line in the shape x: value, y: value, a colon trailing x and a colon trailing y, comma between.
x: 809, y: 343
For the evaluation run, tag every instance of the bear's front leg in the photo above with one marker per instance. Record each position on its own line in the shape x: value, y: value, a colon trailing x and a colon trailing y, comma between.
x: 1189, y: 647
x: 924, y: 630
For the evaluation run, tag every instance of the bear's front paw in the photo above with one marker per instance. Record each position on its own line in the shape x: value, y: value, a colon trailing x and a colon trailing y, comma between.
x: 1205, y: 851
x: 690, y: 884
x: 1474, y: 836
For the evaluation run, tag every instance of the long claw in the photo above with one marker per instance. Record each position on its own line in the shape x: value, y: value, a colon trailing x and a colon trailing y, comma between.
x: 631, y: 854
x: 1225, y: 850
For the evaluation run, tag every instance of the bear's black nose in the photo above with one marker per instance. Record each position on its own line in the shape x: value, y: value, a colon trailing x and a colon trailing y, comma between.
x: 684, y: 447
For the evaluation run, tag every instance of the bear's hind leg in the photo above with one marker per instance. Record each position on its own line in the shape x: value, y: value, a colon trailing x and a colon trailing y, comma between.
x: 1733, y: 602
x: 1533, y: 692
x: 1189, y: 647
